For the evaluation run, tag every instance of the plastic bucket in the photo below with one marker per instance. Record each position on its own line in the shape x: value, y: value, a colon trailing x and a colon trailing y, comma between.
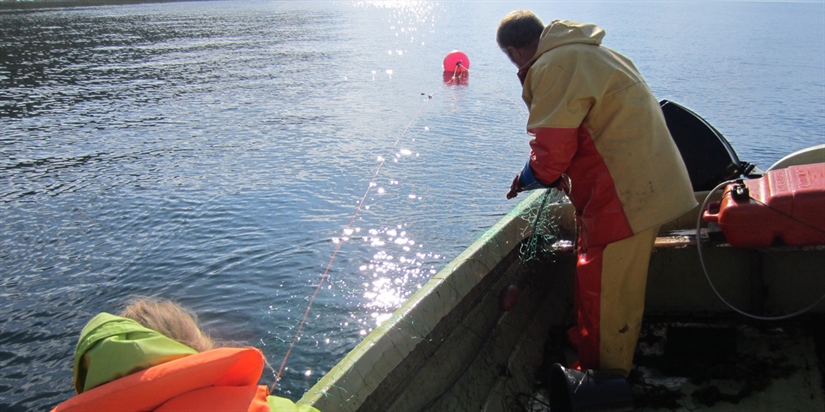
x: 588, y: 390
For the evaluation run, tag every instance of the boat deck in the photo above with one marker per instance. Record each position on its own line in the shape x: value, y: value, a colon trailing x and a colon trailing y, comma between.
x: 704, y: 357
x: 714, y: 365
x: 694, y: 352
x: 693, y: 364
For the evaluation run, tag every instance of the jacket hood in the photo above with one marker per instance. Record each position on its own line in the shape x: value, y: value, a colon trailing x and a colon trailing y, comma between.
x: 111, y: 347
x: 562, y: 32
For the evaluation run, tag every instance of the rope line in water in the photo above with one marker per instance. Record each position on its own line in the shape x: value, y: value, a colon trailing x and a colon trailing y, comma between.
x: 325, y: 275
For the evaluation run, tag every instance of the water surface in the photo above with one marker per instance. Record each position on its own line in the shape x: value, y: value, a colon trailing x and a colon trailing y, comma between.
x: 218, y: 154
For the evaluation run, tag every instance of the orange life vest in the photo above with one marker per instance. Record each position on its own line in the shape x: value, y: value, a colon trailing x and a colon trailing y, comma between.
x: 224, y: 379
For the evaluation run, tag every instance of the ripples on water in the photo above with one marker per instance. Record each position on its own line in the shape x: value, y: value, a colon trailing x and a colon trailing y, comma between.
x: 215, y: 153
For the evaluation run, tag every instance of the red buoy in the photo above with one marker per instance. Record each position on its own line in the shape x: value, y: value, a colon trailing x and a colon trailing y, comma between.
x: 456, y: 68
x: 456, y: 61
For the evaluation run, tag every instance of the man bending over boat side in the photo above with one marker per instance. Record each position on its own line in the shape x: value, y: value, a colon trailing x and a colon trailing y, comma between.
x: 154, y: 357
x: 594, y: 121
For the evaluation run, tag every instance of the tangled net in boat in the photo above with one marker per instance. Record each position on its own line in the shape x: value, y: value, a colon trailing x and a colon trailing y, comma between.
x: 544, y: 233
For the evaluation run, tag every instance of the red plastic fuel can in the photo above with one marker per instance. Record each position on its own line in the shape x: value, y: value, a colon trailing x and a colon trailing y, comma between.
x: 785, y: 206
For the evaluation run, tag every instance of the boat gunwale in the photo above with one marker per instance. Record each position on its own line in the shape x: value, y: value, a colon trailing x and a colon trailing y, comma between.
x: 379, y: 355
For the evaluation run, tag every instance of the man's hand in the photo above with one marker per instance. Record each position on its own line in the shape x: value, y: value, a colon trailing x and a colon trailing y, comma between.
x: 514, y: 188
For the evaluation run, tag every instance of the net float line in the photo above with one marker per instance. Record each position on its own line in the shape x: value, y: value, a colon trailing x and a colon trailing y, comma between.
x: 358, y: 209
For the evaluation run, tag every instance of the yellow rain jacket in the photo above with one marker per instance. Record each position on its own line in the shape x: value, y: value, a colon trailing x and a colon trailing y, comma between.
x: 594, y: 119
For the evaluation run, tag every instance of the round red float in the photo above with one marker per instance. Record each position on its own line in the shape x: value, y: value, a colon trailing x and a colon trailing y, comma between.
x: 456, y: 61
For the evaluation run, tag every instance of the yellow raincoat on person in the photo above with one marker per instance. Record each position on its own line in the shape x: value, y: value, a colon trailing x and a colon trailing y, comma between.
x: 594, y: 119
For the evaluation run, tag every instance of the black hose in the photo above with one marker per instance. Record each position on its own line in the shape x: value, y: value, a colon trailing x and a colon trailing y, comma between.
x: 710, y: 282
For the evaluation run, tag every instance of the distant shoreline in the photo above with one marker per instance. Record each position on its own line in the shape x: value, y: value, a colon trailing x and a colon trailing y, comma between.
x: 29, y: 5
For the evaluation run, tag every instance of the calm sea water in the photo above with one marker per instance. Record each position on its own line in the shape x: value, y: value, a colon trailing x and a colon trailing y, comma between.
x: 220, y: 153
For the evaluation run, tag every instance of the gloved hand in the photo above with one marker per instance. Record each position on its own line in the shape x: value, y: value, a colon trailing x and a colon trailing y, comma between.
x: 514, y: 187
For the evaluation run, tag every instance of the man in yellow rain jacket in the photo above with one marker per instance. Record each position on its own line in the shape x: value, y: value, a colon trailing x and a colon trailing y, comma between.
x: 598, y: 129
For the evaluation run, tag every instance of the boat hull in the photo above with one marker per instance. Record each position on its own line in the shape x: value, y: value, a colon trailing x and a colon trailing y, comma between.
x: 451, y: 347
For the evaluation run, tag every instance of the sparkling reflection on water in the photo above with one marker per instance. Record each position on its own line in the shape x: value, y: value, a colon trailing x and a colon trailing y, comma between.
x: 219, y: 153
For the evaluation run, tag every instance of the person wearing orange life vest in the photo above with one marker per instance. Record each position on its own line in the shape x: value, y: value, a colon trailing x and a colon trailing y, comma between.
x: 597, y: 128
x: 120, y: 364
